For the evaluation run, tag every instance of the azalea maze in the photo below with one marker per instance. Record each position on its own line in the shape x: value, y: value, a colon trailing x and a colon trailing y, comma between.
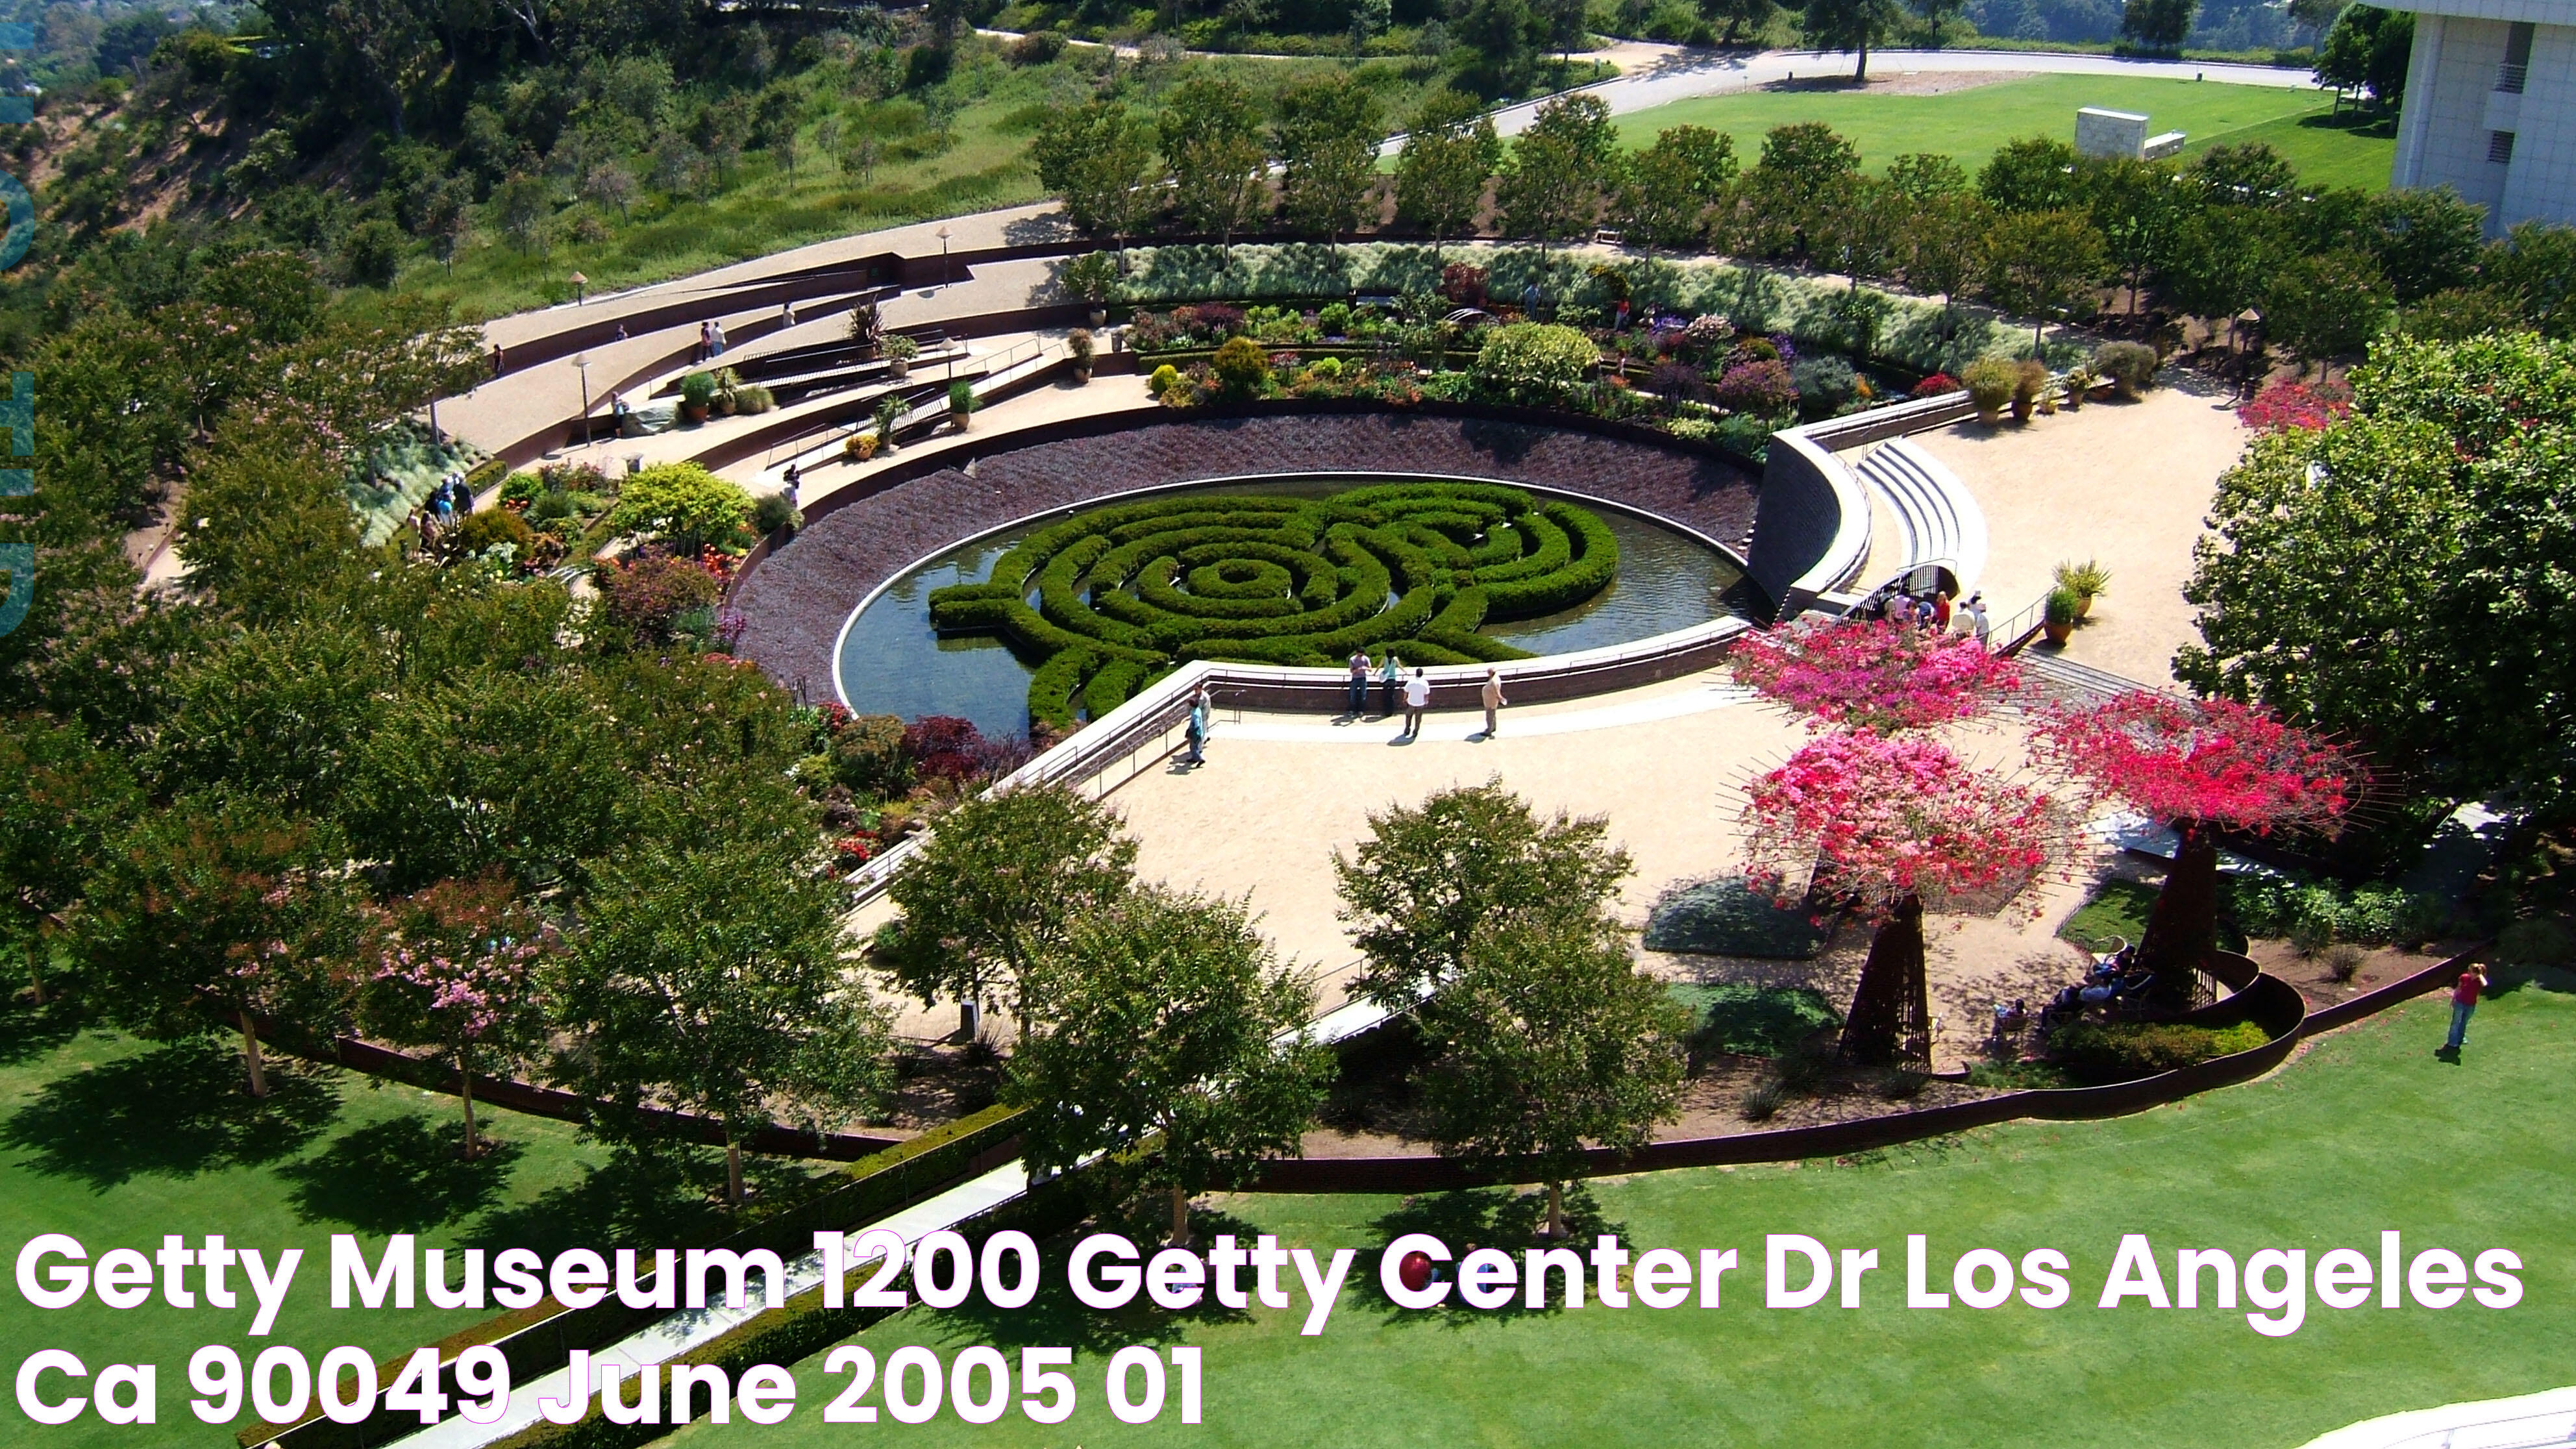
x: 1126, y: 592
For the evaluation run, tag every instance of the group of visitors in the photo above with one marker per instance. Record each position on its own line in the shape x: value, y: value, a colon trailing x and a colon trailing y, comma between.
x: 450, y: 502
x: 711, y: 342
x: 1932, y: 610
x: 1390, y: 677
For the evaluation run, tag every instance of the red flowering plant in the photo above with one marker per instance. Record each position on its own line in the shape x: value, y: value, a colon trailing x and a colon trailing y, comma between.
x: 455, y: 968
x: 944, y: 747
x: 2288, y: 405
x: 1885, y: 825
x: 2197, y: 765
x: 1874, y: 673
x: 1939, y: 384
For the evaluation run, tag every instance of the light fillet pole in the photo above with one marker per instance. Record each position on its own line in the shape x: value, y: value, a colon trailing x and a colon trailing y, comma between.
x: 581, y: 360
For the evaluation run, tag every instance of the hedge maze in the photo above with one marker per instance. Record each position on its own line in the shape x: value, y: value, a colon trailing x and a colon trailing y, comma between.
x: 1128, y: 591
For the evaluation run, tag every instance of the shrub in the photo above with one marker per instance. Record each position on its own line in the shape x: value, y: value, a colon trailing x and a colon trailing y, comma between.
x: 1079, y: 345
x: 682, y: 504
x: 2319, y: 912
x: 2343, y: 961
x: 698, y: 389
x: 1241, y: 368
x: 772, y: 513
x: 1706, y: 333
x: 494, y: 526
x: 1677, y: 382
x: 1092, y: 276
x: 2131, y: 366
x: 521, y: 488
x: 1757, y: 388
x: 2535, y: 941
x: 1463, y: 283
x: 1036, y: 48
x: 1939, y: 384
x: 1334, y: 319
x: 1532, y: 363
x: 1165, y: 378
x: 1991, y: 381
x: 961, y: 400
x: 1752, y: 349
x: 649, y: 595
x: 2135, y: 1049
x: 944, y: 747
x: 2064, y: 606
x: 898, y: 348
x: 2030, y: 379
x: 1824, y: 384
x: 2088, y: 579
x: 2286, y: 406
x: 868, y: 756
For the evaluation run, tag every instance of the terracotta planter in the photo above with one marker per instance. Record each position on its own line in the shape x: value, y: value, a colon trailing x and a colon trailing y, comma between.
x: 898, y: 367
x: 693, y: 412
x: 1099, y: 316
x: 2083, y: 606
x: 1082, y: 374
x: 2058, y: 633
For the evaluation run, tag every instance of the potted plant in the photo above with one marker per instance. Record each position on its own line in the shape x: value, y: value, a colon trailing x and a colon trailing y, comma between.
x: 1093, y: 277
x: 859, y: 447
x: 697, y: 394
x: 2086, y: 581
x: 2058, y: 616
x: 2030, y: 379
x: 2079, y: 385
x: 899, y: 351
x: 891, y: 411
x: 1990, y: 383
x: 728, y: 392
x: 2131, y: 366
x: 961, y: 402
x: 1078, y: 347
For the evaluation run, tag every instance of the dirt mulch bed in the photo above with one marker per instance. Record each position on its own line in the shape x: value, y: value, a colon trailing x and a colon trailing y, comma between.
x: 2314, y: 979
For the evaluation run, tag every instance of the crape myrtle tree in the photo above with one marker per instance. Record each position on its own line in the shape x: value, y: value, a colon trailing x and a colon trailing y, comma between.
x: 1429, y: 876
x: 2399, y: 579
x: 709, y: 976
x: 998, y: 886
x: 1212, y: 151
x: 2198, y: 765
x: 1447, y: 158
x: 61, y: 800
x: 1329, y: 129
x: 1171, y: 1025
x: 1890, y: 826
x: 456, y: 968
x: 1549, y: 1040
x: 1562, y: 166
x: 219, y: 910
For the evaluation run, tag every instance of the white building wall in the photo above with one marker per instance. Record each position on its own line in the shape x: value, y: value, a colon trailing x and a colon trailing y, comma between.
x: 2541, y: 183
x: 2453, y: 109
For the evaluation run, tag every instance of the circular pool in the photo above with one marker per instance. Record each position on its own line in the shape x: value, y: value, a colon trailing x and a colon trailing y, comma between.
x: 1526, y: 547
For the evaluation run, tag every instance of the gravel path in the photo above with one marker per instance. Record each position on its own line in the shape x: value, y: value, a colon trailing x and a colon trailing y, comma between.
x: 795, y: 602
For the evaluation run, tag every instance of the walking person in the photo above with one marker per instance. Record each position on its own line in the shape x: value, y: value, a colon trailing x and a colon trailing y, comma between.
x: 788, y: 483
x: 1359, y: 681
x: 706, y: 342
x: 786, y: 315
x: 716, y: 330
x: 2464, y: 1000
x: 1417, y: 699
x: 1977, y: 623
x: 1388, y: 679
x: 1493, y: 698
x: 1197, y: 729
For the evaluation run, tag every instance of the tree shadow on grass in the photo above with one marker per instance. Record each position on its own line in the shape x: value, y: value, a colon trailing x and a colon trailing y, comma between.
x: 173, y: 1111
x: 2507, y: 979
x: 28, y: 1031
x: 1055, y: 1316
x: 399, y: 1176
x: 1485, y: 1217
x: 656, y: 1197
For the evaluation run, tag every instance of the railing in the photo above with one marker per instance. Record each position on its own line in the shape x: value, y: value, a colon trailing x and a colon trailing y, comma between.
x: 925, y: 414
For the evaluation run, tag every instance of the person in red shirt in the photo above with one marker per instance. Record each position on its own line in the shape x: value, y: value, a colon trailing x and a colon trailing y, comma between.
x: 2464, y: 999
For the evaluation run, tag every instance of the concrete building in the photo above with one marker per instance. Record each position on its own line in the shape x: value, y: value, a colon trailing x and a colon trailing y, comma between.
x: 2491, y: 106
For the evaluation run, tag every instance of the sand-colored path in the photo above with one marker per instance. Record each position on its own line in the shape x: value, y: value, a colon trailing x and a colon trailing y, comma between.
x: 2128, y: 484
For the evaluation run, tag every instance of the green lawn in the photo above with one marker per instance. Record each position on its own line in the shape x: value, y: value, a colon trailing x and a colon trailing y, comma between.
x: 1968, y: 125
x: 2366, y: 1131
x: 116, y: 1143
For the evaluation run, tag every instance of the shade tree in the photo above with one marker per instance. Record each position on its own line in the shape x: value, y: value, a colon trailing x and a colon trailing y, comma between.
x: 1213, y: 155
x: 1329, y: 129
x: 62, y: 799
x: 1672, y: 184
x: 1429, y: 876
x: 1562, y: 167
x: 1448, y: 157
x: 1098, y: 160
x: 2200, y: 766
x: 458, y: 968
x: 1171, y: 1026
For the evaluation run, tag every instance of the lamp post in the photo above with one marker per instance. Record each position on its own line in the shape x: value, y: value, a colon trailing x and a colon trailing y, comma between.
x: 579, y: 285
x: 581, y: 360
x: 942, y: 234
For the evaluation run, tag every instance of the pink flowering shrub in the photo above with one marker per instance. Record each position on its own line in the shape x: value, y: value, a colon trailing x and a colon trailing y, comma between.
x: 2307, y: 407
x: 2214, y: 760
x: 1874, y: 673
x: 1877, y: 820
x: 1760, y: 387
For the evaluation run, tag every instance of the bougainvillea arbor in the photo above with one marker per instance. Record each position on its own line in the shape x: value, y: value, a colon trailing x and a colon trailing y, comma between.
x: 2199, y: 766
x: 1874, y: 674
x: 1888, y: 825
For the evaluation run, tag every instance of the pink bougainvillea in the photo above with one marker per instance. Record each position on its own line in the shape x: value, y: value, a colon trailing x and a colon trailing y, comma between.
x: 2286, y: 405
x: 1879, y: 821
x: 2214, y: 760
x: 1874, y: 674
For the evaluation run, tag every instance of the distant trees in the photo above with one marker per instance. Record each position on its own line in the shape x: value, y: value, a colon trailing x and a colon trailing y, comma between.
x: 1098, y: 160
x: 2158, y: 25
x: 1448, y: 156
x: 1560, y: 166
x: 1862, y: 25
x: 1329, y: 130
x: 2368, y: 49
x: 1672, y: 185
x: 1213, y: 154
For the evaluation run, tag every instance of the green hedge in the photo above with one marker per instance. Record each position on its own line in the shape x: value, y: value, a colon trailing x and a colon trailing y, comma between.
x: 2130, y: 1049
x: 1126, y: 590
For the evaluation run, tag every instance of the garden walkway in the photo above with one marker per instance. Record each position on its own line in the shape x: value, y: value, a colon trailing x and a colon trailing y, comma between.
x: 2127, y: 484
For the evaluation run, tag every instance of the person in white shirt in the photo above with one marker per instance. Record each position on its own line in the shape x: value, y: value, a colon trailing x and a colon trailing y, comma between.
x: 1493, y: 698
x: 1417, y: 698
x: 1977, y: 622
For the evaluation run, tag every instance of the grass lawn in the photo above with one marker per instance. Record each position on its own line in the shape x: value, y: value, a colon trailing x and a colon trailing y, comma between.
x: 2366, y: 1131
x: 1968, y: 125
x: 117, y: 1142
